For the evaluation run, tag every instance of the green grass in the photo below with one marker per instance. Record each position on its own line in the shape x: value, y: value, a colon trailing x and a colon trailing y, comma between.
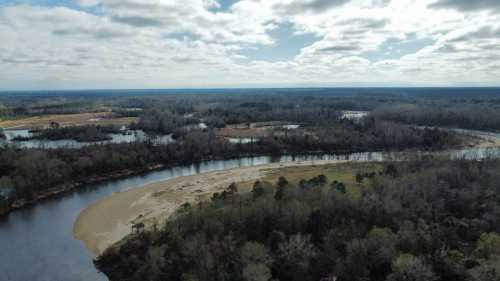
x: 345, y: 173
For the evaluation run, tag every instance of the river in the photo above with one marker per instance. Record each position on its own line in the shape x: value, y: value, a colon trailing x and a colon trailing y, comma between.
x: 37, y: 244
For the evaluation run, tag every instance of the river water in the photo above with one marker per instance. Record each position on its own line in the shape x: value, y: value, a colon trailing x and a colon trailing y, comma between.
x: 37, y: 244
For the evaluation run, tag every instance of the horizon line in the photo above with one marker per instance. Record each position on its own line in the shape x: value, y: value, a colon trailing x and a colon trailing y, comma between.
x: 248, y: 88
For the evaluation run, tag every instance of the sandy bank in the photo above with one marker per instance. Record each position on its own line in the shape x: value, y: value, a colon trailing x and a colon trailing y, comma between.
x: 108, y: 221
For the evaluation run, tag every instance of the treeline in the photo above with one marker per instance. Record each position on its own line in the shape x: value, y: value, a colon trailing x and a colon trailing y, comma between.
x: 36, y: 106
x: 163, y: 113
x: 317, y: 108
x: 312, y: 111
x: 163, y: 121
x: 166, y: 115
x: 368, y: 134
x: 88, y: 133
x: 416, y: 221
x: 465, y: 116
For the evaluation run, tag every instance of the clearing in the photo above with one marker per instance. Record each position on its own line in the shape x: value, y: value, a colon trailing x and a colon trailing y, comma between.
x: 45, y: 121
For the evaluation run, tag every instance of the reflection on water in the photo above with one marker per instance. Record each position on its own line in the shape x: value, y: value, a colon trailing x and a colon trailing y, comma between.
x: 242, y: 140
x: 127, y: 136
x: 37, y: 242
x: 353, y: 115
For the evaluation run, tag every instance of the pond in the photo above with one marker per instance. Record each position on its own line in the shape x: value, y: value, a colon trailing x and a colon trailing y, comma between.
x: 127, y: 136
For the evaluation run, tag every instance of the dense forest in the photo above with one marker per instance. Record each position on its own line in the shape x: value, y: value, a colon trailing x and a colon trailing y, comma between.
x: 412, y: 221
x: 464, y: 116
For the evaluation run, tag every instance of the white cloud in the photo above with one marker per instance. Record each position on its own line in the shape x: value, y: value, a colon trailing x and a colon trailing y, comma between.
x: 165, y: 43
x: 88, y: 3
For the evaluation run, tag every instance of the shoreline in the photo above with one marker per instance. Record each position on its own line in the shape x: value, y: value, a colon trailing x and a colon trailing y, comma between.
x: 72, y: 186
x: 123, y: 174
x: 108, y: 221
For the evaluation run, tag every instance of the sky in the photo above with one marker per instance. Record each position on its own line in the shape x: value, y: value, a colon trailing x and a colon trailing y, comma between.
x: 151, y: 44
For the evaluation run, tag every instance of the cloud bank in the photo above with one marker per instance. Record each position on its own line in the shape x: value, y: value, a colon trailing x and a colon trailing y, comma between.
x: 205, y: 43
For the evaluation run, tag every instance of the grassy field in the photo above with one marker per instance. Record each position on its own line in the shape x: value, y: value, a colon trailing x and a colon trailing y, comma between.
x: 97, y: 118
x: 243, y: 133
x: 345, y: 173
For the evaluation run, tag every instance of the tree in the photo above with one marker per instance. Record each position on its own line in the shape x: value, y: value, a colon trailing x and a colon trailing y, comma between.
x: 320, y: 180
x: 232, y: 188
x: 258, y: 189
x: 275, y: 239
x: 256, y: 272
x: 391, y: 170
x: 282, y: 182
x: 488, y: 252
x: 256, y: 262
x: 280, y: 188
x: 488, y: 246
x: 359, y: 177
x: 409, y: 268
x: 488, y: 270
x: 294, y: 258
x: 339, y: 186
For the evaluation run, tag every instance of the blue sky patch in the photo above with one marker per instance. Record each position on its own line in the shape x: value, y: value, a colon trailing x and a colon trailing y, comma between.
x: 287, y: 45
x: 394, y: 49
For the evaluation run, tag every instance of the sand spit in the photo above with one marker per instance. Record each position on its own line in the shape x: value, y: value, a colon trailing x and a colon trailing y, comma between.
x: 106, y: 222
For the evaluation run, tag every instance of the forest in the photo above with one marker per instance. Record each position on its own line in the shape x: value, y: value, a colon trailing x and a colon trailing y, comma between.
x: 414, y: 221
x: 86, y: 133
x: 465, y: 116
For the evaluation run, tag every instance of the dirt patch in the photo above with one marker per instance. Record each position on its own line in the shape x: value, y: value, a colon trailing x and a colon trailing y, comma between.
x: 484, y: 140
x: 45, y: 121
x: 243, y: 132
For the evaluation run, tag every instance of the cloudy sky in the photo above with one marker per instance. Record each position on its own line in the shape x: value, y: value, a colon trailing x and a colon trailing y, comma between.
x: 88, y: 44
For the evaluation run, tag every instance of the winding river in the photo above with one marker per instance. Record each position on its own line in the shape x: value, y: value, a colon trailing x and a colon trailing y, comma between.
x: 37, y: 244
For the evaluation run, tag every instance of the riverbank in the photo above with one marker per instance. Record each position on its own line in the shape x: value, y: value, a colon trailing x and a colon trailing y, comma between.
x: 59, y: 190
x: 108, y: 221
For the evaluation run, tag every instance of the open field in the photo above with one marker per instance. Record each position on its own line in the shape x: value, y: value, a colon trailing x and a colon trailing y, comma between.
x: 255, y: 129
x: 345, y: 173
x: 109, y: 220
x: 243, y: 132
x: 44, y: 121
x: 486, y: 141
